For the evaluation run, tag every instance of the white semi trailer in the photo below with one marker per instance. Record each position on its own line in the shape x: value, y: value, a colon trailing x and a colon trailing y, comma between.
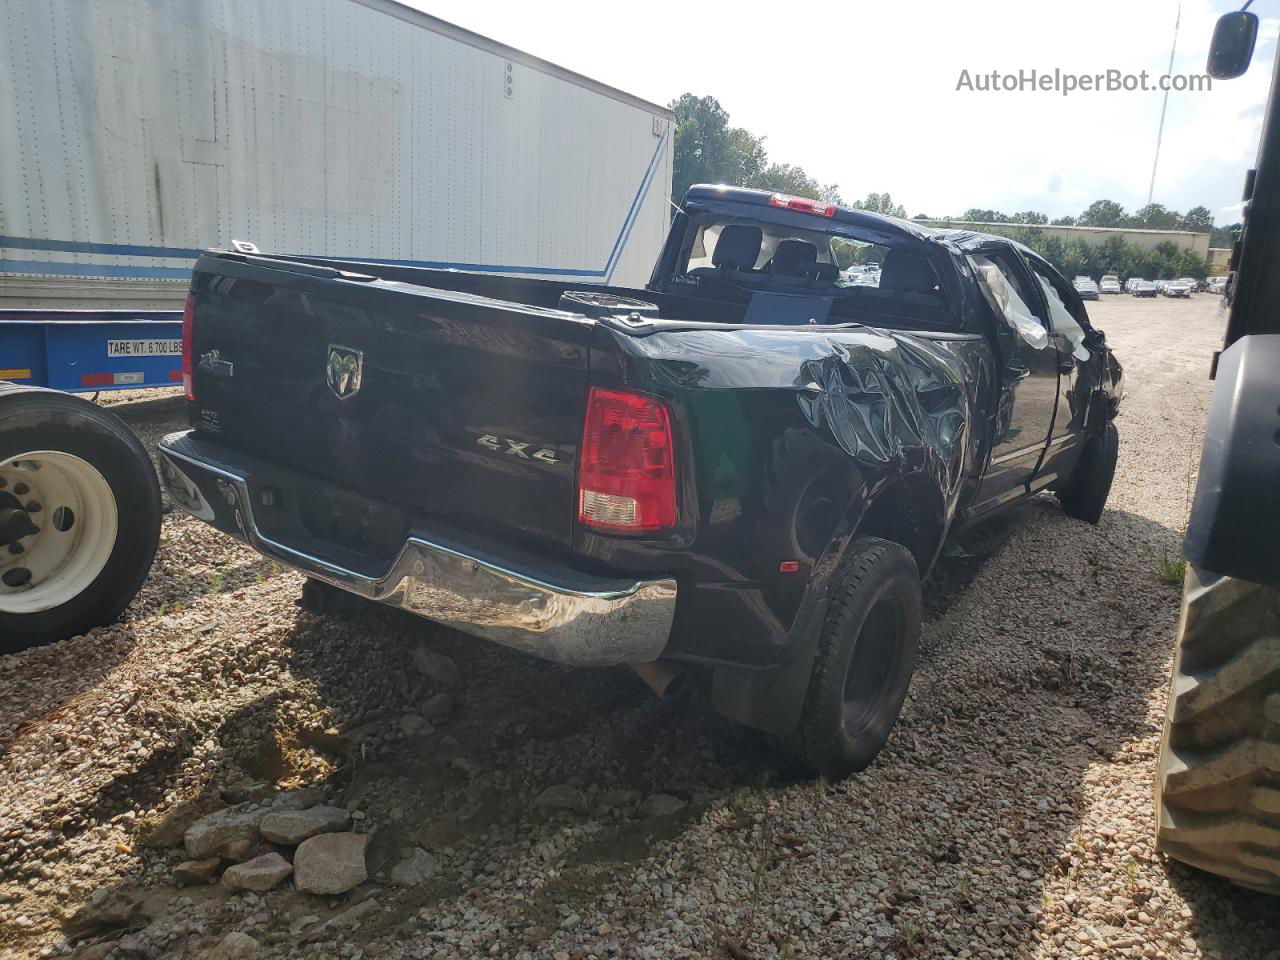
x: 137, y: 133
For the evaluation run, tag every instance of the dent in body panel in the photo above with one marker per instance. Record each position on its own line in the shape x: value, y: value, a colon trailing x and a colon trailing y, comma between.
x: 895, y: 403
x: 794, y: 434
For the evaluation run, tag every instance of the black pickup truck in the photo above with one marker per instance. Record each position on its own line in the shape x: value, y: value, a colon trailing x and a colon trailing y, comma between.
x: 742, y: 471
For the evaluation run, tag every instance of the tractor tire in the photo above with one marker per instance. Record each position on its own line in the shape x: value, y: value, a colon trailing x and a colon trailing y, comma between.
x: 866, y: 655
x: 1085, y: 494
x: 1217, y: 794
x: 79, y: 516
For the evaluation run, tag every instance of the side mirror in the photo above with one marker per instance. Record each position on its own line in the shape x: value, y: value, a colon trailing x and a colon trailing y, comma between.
x: 1232, y: 46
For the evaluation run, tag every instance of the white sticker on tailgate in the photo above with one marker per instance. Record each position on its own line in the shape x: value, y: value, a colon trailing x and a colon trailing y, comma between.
x: 144, y: 348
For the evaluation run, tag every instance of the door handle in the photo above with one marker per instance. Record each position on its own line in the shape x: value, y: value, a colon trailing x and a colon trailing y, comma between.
x: 1017, y: 373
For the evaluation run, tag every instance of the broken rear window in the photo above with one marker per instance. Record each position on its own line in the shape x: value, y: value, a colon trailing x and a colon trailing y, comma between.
x: 863, y: 281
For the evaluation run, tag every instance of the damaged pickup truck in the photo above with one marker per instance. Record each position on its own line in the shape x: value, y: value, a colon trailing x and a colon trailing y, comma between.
x: 742, y: 472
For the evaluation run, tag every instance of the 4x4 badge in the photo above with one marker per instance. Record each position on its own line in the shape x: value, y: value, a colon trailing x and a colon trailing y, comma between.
x: 344, y: 371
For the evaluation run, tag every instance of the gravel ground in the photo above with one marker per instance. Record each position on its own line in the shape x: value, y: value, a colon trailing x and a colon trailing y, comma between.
x: 1010, y: 815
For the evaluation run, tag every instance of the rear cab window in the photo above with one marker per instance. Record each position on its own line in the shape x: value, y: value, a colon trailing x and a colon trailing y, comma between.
x: 832, y: 274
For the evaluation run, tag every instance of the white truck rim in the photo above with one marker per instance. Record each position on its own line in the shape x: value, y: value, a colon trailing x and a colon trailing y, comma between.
x: 73, y: 512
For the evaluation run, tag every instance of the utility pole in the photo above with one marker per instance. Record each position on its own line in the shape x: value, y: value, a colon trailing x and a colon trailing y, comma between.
x: 1164, y: 105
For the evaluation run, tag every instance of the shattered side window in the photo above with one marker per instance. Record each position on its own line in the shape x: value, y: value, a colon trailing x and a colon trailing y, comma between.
x: 1004, y: 293
x: 1063, y: 322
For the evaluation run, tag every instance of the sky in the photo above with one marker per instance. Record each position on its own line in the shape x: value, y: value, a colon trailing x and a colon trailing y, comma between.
x: 864, y: 94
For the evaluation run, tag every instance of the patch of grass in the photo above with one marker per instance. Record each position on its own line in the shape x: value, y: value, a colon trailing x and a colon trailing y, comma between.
x: 1170, y: 569
x: 909, y: 936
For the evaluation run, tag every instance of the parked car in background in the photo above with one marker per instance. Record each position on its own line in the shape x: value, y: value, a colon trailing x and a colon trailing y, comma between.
x: 1087, y: 289
x: 1109, y: 285
x: 1217, y: 285
x: 1131, y: 283
x: 1109, y: 276
x: 1143, y: 288
x: 1176, y: 288
x: 1192, y: 283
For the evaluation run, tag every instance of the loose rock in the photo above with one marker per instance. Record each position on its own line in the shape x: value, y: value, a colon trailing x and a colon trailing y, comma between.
x: 437, y: 666
x: 330, y: 863
x: 415, y: 868
x: 258, y: 875
x: 563, y: 796
x: 106, y: 910
x: 196, y: 871
x: 412, y: 725
x: 294, y: 826
x: 438, y: 707
x: 229, y: 833
x: 660, y: 805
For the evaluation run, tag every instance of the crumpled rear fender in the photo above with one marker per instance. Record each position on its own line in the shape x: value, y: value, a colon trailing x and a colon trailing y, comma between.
x: 899, y: 419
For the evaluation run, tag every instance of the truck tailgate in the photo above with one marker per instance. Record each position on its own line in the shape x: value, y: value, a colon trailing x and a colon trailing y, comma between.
x: 434, y: 403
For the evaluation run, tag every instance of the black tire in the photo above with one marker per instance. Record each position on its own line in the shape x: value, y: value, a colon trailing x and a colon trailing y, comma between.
x: 1217, y: 792
x: 33, y: 419
x: 866, y: 654
x: 1085, y: 495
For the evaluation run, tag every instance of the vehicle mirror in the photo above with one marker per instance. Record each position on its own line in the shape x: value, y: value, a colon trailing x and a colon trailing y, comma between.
x: 1232, y: 46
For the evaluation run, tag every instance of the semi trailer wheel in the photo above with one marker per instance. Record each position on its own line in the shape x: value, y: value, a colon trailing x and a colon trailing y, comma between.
x: 79, y: 516
x: 866, y: 655
x: 1217, y: 792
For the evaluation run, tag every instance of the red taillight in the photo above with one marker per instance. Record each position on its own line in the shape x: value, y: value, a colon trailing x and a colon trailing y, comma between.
x: 188, y: 325
x: 626, y: 470
x: 803, y: 205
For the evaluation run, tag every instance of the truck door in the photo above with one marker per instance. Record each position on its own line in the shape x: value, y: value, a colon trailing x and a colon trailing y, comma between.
x: 1028, y: 391
x: 1068, y: 322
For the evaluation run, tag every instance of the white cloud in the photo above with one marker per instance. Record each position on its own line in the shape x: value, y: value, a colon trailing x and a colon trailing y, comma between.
x: 864, y: 93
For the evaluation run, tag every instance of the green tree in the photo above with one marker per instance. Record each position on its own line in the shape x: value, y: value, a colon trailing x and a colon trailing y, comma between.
x: 882, y: 203
x: 1051, y: 248
x: 980, y: 215
x: 1223, y: 236
x: 1029, y: 216
x: 1102, y: 213
x: 1190, y: 264
x: 1064, y: 221
x: 1077, y: 257
x: 1113, y: 256
x: 1197, y: 219
x: 707, y: 149
x: 1155, y: 216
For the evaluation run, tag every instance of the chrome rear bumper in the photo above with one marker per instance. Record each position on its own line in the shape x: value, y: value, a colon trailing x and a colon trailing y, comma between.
x: 551, y: 612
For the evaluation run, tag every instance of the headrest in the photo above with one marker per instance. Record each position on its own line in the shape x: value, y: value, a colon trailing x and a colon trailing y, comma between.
x: 738, y: 247
x: 793, y: 257
x: 907, y: 272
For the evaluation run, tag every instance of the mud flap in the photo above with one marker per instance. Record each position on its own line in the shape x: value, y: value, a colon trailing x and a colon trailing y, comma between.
x: 771, y: 699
